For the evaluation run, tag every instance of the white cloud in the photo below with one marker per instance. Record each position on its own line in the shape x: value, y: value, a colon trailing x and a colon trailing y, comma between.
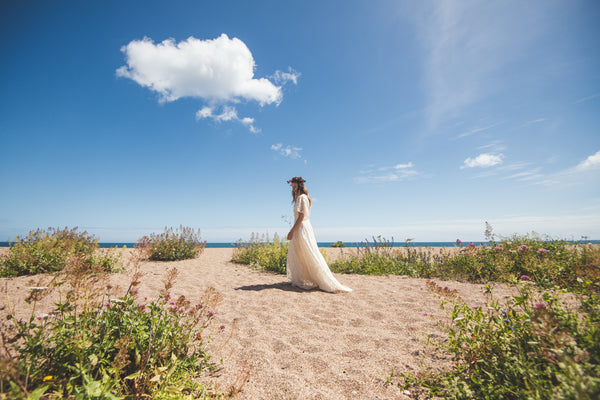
x: 484, y: 160
x: 287, y: 151
x: 218, y: 71
x: 592, y: 162
x: 283, y: 77
x: 228, y: 114
x: 395, y: 173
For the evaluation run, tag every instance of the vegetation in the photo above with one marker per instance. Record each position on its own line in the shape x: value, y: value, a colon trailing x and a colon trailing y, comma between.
x: 541, y: 344
x: 173, y: 245
x: 52, y: 250
x: 261, y: 253
x: 339, y: 243
x: 534, y: 346
x: 97, y: 345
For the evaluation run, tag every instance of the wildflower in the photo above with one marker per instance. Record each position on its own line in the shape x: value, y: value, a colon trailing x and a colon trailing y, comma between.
x: 108, y: 304
x: 523, y: 248
x: 48, y: 378
x: 542, y: 251
x: 171, y: 303
x: 524, y: 278
x: 222, y: 327
x: 109, y: 286
x: 181, y: 310
x: 211, y: 313
x: 134, y: 283
x: 497, y: 248
x: 539, y: 306
x: 445, y: 287
x: 459, y: 242
x: 471, y: 244
x: 135, y: 291
x: 425, y: 314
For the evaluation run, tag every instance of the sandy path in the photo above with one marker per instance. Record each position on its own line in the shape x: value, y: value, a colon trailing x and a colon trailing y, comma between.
x: 306, y: 344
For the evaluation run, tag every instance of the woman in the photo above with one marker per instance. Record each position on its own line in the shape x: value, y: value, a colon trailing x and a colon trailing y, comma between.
x: 306, y: 267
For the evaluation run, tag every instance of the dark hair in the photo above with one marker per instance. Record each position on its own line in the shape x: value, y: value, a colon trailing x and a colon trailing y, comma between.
x: 301, y: 190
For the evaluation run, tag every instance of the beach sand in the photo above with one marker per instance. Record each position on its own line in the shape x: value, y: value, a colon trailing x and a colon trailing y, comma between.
x: 301, y: 344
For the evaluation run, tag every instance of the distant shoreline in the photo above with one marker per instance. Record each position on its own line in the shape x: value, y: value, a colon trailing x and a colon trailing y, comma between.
x: 228, y: 245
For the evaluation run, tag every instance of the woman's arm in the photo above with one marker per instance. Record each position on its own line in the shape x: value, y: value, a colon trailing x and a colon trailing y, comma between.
x: 296, y: 225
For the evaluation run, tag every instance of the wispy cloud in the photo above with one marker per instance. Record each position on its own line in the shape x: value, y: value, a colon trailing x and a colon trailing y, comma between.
x: 219, y: 71
x: 523, y: 176
x: 468, y: 45
x: 588, y: 98
x: 394, y: 173
x: 474, y: 131
x: 484, y: 160
x: 535, y: 121
x: 495, y: 147
x: 287, y: 151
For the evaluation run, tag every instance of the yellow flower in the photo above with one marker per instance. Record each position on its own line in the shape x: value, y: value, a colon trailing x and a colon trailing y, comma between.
x: 48, y: 378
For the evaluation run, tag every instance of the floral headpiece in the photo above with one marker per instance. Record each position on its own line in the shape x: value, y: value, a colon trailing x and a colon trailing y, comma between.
x: 297, y: 179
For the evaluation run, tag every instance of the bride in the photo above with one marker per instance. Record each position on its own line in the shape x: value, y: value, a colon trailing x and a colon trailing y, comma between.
x: 306, y: 267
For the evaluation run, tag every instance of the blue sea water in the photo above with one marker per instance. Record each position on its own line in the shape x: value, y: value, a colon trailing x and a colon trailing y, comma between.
x: 324, y: 244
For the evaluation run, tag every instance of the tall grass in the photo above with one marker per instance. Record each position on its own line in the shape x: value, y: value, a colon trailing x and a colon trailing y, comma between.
x: 97, y: 344
x: 262, y: 253
x: 536, y: 345
x: 173, y: 244
x: 51, y: 250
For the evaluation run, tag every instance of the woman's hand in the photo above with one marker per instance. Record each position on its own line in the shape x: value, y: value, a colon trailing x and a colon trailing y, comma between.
x: 296, y: 226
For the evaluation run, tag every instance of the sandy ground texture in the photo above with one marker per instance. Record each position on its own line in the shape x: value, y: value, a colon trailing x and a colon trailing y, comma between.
x: 301, y: 344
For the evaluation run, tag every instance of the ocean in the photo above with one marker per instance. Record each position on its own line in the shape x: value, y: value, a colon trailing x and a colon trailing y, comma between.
x: 327, y: 244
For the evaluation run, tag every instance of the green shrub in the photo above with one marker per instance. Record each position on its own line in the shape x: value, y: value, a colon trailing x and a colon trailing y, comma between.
x: 529, y: 348
x: 263, y: 254
x: 339, y: 243
x: 95, y: 345
x: 51, y: 250
x: 172, y: 245
x: 381, y: 258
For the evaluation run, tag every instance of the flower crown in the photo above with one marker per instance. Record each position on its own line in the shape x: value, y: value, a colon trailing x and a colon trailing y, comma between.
x: 297, y: 179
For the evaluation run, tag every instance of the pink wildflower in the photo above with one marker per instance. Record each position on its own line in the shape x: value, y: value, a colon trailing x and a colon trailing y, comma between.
x: 211, y: 313
x: 222, y: 326
x: 523, y: 248
x: 497, y: 248
x: 542, y: 251
x: 539, y: 306
x: 524, y: 278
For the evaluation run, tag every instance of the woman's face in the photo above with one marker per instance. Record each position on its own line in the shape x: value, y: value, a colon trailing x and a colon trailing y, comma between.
x: 294, y: 187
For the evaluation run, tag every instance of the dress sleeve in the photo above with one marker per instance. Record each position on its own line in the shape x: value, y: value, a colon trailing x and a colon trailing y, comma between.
x: 302, y: 204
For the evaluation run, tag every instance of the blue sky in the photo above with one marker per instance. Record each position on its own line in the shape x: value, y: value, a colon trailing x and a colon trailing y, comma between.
x: 408, y: 119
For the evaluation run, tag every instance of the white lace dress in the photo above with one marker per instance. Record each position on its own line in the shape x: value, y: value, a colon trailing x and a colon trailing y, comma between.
x: 306, y: 267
